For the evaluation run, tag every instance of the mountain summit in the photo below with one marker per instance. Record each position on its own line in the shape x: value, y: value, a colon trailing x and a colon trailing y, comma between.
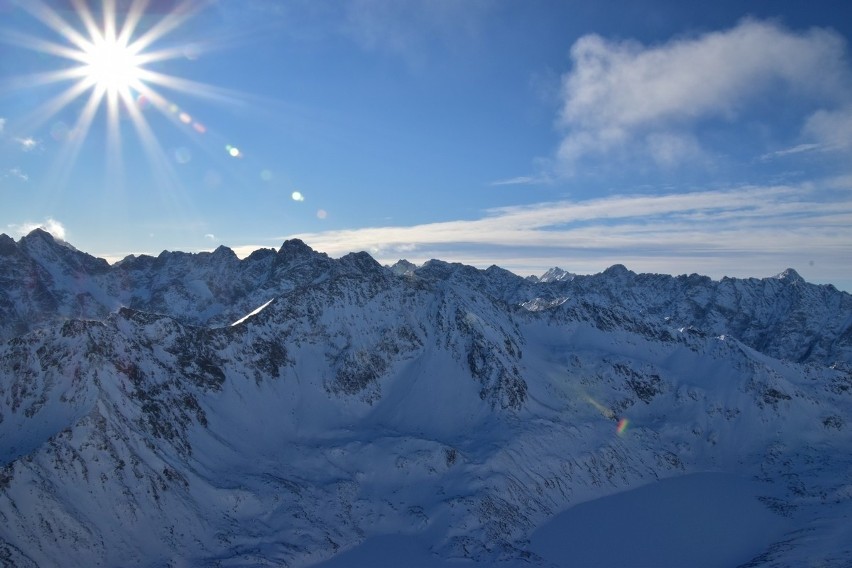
x: 287, y: 408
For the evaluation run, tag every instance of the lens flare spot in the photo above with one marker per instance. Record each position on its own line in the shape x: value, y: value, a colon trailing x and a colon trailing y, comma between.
x: 266, y: 175
x: 322, y: 213
x: 182, y: 155
x: 198, y: 127
x: 297, y: 196
x: 622, y: 426
x: 173, y: 108
x: 233, y: 151
x: 605, y: 412
x: 191, y: 51
x: 184, y: 118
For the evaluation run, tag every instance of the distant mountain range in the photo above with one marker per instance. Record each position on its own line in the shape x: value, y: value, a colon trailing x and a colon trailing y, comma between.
x: 202, y: 410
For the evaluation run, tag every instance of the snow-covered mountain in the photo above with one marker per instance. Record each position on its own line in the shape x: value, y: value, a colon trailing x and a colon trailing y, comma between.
x: 202, y: 410
x: 554, y: 274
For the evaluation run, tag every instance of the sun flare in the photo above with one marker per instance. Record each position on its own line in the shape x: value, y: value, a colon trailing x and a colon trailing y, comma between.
x: 111, y: 66
x: 108, y: 48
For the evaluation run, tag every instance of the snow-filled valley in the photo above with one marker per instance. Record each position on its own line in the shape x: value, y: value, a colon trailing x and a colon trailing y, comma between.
x: 703, y: 520
x: 290, y: 409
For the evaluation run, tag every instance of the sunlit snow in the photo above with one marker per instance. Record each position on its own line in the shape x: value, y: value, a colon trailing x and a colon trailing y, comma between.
x: 253, y: 312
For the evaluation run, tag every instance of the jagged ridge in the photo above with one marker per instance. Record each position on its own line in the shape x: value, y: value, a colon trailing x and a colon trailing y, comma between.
x: 358, y: 401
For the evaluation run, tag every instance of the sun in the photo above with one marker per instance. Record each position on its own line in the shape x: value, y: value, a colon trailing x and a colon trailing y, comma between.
x: 108, y: 50
x: 111, y: 66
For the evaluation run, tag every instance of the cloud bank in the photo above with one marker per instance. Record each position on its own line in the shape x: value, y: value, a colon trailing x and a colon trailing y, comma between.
x: 741, y: 231
x: 622, y: 95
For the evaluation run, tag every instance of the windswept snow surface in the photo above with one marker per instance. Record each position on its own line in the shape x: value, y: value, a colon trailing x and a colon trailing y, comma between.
x: 395, y: 551
x: 700, y: 520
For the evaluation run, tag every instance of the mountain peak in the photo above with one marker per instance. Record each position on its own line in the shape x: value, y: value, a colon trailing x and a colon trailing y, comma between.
x: 7, y: 244
x: 618, y: 270
x: 403, y: 267
x: 362, y: 261
x: 260, y: 254
x: 294, y: 248
x: 790, y: 275
x: 441, y: 270
x: 40, y: 235
x: 38, y: 232
x: 555, y: 274
x: 42, y: 246
x: 224, y: 252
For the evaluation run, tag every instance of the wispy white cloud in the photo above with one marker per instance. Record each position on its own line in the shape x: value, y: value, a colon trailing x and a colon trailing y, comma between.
x: 623, y: 95
x: 27, y: 144
x: 2, y: 124
x: 797, y: 149
x: 737, y: 231
x: 18, y: 173
x: 210, y: 236
x: 50, y: 225
x: 522, y: 180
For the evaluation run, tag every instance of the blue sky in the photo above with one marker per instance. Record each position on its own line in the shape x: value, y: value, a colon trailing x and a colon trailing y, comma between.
x: 672, y: 137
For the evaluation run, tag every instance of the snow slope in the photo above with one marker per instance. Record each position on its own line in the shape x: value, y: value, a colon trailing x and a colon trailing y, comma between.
x: 425, y: 415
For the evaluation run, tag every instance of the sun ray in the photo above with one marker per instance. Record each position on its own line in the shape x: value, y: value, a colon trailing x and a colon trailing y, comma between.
x: 50, y: 18
x: 147, y: 57
x: 109, y: 21
x: 12, y: 37
x: 164, y: 174
x: 39, y: 79
x: 131, y: 21
x: 177, y: 17
x: 84, y: 13
x: 51, y: 108
x: 84, y: 121
x: 113, y: 135
x: 70, y: 151
x: 201, y: 90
